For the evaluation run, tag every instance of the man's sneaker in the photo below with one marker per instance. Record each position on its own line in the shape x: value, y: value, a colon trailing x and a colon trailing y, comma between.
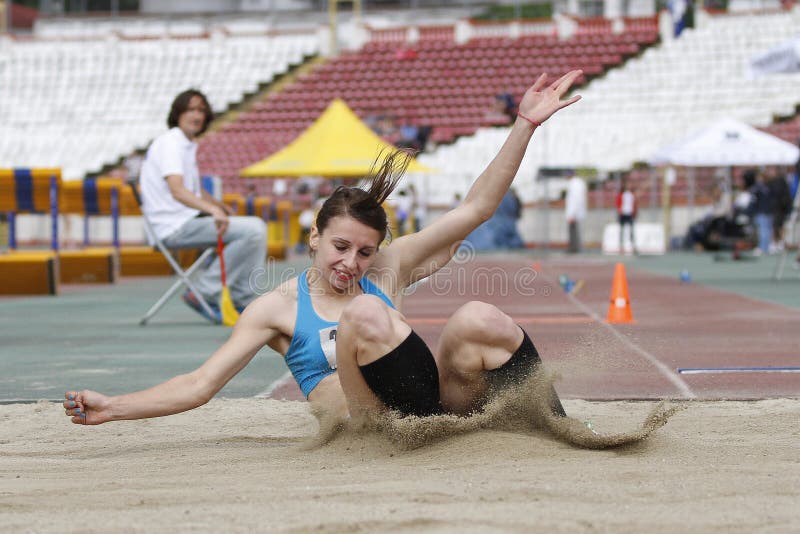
x: 191, y: 300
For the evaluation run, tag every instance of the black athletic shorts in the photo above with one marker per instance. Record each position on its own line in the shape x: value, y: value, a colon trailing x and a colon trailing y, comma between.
x: 406, y: 379
x: 625, y: 219
x: 524, y: 362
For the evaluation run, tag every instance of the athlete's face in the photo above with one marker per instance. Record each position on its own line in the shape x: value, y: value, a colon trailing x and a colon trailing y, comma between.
x: 191, y: 121
x: 344, y: 251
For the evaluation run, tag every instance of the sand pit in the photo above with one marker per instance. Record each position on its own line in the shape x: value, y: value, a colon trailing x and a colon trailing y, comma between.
x: 245, y: 465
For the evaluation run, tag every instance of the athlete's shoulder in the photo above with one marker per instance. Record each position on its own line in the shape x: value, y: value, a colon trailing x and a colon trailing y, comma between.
x: 275, y: 303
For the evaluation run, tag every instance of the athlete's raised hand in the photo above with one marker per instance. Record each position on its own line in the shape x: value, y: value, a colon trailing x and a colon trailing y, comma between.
x: 87, y: 407
x: 540, y: 102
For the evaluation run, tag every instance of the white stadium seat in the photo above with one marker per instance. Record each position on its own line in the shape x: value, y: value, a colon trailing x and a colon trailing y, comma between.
x: 82, y: 104
x: 644, y: 104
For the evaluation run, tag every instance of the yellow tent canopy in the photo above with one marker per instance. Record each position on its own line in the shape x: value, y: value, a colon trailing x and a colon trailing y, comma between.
x: 338, y: 144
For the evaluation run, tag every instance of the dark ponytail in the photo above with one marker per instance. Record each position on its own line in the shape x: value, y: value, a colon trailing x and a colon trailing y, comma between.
x: 365, y: 205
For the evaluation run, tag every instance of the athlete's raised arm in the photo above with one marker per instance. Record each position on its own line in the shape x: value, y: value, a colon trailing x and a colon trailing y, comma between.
x: 187, y: 391
x: 418, y: 255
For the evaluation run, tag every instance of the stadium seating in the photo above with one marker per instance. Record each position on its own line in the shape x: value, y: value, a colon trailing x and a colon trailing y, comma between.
x: 81, y: 104
x: 788, y: 130
x: 96, y: 90
x: 433, y: 81
x: 652, y: 100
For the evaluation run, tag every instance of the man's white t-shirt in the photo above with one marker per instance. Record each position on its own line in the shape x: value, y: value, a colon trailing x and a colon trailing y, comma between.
x: 172, y: 153
x: 575, y: 205
x: 627, y: 204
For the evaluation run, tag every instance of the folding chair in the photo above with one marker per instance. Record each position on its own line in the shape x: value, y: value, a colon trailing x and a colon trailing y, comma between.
x: 183, y: 276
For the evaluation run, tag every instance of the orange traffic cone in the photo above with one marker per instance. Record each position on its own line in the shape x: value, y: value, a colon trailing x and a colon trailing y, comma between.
x: 619, y: 309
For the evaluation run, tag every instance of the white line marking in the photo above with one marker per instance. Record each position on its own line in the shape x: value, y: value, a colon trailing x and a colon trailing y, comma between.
x: 272, y: 387
x: 676, y: 380
x: 713, y: 370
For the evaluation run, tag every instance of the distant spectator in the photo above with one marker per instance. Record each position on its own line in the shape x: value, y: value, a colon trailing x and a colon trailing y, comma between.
x: 133, y: 166
x: 511, y: 210
x: 279, y: 188
x: 761, y: 208
x: 403, y: 207
x: 385, y: 126
x: 626, y: 214
x: 698, y: 233
x: 405, y: 53
x: 250, y: 200
x: 742, y: 196
x: 408, y: 137
x: 517, y: 212
x: 419, y: 208
x: 778, y: 186
x: 413, y: 137
x: 306, y: 220
x: 456, y: 201
x: 575, y: 211
x: 372, y: 122
x: 503, y: 110
x: 500, y: 232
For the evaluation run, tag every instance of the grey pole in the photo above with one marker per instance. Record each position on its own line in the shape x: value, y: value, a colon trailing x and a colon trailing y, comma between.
x: 6, y: 26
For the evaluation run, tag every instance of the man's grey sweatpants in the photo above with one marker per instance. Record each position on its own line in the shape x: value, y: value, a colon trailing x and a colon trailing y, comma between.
x: 245, y: 255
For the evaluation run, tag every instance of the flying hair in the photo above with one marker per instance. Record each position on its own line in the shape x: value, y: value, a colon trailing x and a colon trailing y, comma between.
x: 365, y: 204
x: 384, y: 180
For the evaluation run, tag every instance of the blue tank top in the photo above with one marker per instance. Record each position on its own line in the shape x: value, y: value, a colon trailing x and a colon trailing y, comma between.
x: 312, y: 352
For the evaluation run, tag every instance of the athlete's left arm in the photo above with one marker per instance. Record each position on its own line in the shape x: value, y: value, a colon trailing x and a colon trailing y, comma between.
x: 419, y: 255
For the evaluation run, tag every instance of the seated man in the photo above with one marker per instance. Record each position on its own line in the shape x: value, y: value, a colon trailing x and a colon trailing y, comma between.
x: 183, y: 215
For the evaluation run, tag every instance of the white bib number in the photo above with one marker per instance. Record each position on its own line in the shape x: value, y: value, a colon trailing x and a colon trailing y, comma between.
x: 327, y: 340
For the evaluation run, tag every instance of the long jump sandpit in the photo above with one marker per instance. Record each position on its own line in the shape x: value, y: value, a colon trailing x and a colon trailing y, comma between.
x: 251, y: 465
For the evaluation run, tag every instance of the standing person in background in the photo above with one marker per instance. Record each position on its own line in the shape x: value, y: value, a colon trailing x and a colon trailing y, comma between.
x: 626, y: 214
x: 778, y: 186
x: 575, y: 211
x: 456, y: 200
x: 250, y: 200
x: 419, y: 208
x: 794, y: 190
x: 503, y: 110
x: 403, y: 208
x: 761, y: 208
x: 184, y: 215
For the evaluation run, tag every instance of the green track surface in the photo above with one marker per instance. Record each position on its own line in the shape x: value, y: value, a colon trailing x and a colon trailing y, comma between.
x: 89, y: 337
x: 750, y: 277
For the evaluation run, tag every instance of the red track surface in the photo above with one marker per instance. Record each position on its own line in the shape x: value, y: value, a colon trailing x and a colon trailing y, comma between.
x: 677, y: 326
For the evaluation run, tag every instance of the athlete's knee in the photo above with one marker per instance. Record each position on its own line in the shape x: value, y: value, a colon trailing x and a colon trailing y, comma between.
x: 480, y: 321
x: 367, y: 317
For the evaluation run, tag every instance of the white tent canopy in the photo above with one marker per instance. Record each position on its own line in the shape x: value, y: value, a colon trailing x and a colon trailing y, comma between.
x: 727, y: 143
x: 782, y: 58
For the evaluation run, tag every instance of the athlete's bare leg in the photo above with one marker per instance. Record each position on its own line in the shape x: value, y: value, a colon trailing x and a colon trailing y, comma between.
x: 477, y: 337
x: 368, y: 330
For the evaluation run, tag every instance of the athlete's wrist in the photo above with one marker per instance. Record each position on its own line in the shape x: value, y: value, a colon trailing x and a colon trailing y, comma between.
x: 535, y: 123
